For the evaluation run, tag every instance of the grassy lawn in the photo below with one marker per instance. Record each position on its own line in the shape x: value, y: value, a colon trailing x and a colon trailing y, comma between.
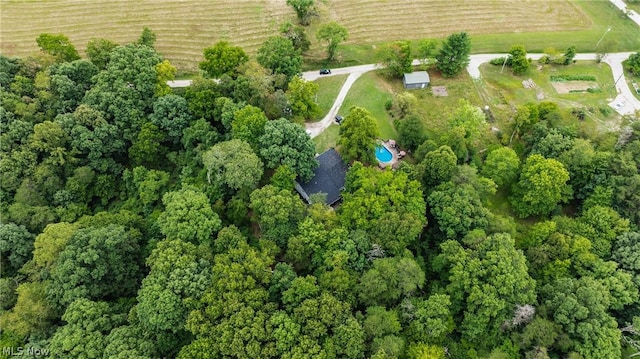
x: 328, y: 90
x: 633, y: 5
x: 327, y: 139
x: 371, y: 91
x: 437, y: 110
x: 504, y: 90
x: 184, y: 28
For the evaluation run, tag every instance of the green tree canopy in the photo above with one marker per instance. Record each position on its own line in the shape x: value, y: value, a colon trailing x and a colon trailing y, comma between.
x: 457, y: 209
x: 234, y: 164
x: 171, y: 114
x: 501, y: 166
x: 518, y: 59
x: 454, y: 54
x: 58, y: 46
x: 332, y: 34
x: 485, y: 284
x: 301, y: 95
x: 411, y: 132
x: 178, y: 274
x: 389, y: 280
x: 385, y: 204
x: 278, y: 55
x: 633, y: 64
x: 222, y: 58
x: 16, y: 247
x: 99, y: 51
x: 188, y: 216
x: 396, y: 58
x: 277, y: 212
x: 296, y: 35
x: 286, y: 143
x: 248, y: 125
x: 358, y: 133
x: 97, y: 263
x: 542, y: 185
x: 304, y: 9
x: 438, y: 166
x: 84, y: 334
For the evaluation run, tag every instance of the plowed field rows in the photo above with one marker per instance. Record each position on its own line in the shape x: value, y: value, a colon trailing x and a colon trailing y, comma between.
x: 185, y: 27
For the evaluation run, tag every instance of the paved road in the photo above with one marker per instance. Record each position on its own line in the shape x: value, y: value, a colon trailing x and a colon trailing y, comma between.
x: 630, y: 13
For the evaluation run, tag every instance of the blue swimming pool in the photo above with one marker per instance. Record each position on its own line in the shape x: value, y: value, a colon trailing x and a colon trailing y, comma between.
x: 383, y: 154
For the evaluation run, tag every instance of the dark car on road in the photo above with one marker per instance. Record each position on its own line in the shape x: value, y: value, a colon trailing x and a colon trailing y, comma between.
x: 325, y: 72
x: 339, y: 119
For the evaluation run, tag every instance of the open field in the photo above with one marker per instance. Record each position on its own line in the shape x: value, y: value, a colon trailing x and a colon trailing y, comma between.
x: 371, y: 91
x: 505, y: 90
x: 184, y: 28
x: 328, y: 89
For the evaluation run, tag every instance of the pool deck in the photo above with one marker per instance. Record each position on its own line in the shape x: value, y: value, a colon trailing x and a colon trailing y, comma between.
x: 395, y: 155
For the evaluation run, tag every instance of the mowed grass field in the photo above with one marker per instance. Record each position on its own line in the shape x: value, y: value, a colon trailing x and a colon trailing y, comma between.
x: 185, y: 27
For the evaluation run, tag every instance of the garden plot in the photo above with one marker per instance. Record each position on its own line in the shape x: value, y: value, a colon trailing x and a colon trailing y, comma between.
x: 566, y: 87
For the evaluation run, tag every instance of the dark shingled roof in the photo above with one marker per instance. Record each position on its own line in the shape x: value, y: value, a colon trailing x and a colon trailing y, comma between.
x: 328, y: 178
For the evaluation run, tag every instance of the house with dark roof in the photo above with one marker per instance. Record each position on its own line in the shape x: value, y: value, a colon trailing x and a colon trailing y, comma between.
x: 328, y: 178
x: 416, y: 80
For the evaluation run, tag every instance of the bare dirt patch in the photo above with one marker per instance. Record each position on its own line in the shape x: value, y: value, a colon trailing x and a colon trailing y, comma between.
x: 439, y: 91
x: 565, y: 87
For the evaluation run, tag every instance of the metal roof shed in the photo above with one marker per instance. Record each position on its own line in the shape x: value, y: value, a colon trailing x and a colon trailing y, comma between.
x: 416, y: 80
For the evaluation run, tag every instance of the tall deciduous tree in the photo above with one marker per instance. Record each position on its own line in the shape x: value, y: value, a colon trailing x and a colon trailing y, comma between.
x: 58, y: 46
x: 386, y: 205
x: 178, y: 274
x: 97, y: 263
x: 396, y: 58
x: 286, y: 143
x: 84, y: 334
x: 501, y: 166
x: 16, y: 246
x: 454, y: 54
x: 222, y: 58
x: 304, y: 9
x: 438, y: 166
x: 296, y: 35
x: 518, y: 59
x: 278, y: 55
x: 124, y: 92
x: 248, y: 125
x: 147, y: 37
x: 411, y: 131
x: 542, y: 185
x: 277, y: 212
x: 358, y: 133
x: 389, y: 280
x: 302, y: 98
x: 171, y: 114
x: 99, y: 51
x: 188, y: 216
x: 457, y: 209
x: 333, y: 34
x: 633, y: 63
x: 233, y: 163
x: 485, y: 284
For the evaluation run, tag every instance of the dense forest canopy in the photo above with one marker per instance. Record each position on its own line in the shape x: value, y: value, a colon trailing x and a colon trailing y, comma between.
x: 143, y: 222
